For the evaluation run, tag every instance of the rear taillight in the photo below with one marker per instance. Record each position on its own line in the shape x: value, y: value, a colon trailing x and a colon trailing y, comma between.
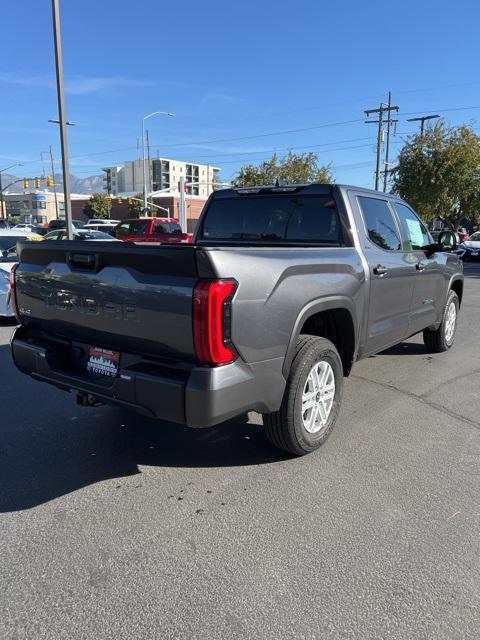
x: 12, y: 293
x: 212, y: 315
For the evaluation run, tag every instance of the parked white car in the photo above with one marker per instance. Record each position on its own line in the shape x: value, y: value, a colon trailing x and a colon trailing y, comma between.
x: 470, y: 249
x: 99, y: 221
x: 8, y: 257
x: 81, y: 234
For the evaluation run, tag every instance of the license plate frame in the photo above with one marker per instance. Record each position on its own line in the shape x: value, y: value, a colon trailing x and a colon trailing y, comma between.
x: 103, y: 362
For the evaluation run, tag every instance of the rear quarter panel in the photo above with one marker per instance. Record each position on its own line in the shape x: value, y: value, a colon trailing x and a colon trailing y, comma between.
x: 277, y: 286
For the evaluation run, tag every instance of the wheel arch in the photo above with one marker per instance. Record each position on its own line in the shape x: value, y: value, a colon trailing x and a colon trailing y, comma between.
x: 333, y: 318
x: 456, y: 284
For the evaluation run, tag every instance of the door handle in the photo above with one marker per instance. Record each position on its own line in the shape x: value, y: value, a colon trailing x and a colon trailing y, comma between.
x: 380, y: 270
x: 420, y: 266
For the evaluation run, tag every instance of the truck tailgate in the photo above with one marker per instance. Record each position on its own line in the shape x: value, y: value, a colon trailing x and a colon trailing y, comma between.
x: 112, y: 295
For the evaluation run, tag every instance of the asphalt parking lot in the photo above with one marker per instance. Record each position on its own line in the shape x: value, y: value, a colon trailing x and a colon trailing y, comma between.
x: 113, y: 526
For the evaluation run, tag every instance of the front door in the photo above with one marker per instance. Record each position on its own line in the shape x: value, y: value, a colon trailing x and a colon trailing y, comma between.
x: 428, y: 292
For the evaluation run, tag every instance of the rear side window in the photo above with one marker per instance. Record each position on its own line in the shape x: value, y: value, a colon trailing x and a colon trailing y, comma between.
x: 138, y: 227
x: 167, y: 228
x: 415, y: 234
x: 381, y: 226
x: 273, y: 219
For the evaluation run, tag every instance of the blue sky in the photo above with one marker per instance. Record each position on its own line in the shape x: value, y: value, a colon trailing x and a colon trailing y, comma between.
x: 244, y: 79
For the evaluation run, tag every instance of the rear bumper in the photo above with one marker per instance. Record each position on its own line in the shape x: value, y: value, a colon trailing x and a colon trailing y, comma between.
x: 195, y: 396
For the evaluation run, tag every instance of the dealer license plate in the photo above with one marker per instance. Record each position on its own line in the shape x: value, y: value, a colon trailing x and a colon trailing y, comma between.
x: 103, y: 361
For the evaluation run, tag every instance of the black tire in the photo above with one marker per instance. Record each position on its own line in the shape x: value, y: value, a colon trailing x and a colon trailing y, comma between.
x: 285, y: 428
x: 437, y: 340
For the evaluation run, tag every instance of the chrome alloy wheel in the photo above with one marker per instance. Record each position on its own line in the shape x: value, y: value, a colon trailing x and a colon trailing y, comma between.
x: 450, y: 322
x: 318, y: 396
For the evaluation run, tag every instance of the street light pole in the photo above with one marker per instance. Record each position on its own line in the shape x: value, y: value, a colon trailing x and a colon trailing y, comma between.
x: 154, y: 113
x: 61, y: 116
x: 54, y: 184
x: 2, y: 210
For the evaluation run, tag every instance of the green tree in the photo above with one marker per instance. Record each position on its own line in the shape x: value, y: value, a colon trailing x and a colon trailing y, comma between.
x: 98, y: 206
x: 135, y: 207
x: 294, y: 168
x: 439, y: 173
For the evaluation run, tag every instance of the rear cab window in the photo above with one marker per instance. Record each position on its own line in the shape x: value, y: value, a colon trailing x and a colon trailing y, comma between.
x: 166, y: 228
x: 272, y: 219
x: 380, y: 223
x: 134, y: 227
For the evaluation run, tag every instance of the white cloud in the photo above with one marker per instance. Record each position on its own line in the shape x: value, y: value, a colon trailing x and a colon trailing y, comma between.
x: 217, y: 99
x: 76, y: 85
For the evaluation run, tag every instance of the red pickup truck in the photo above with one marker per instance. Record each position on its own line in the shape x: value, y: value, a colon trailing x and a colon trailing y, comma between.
x: 164, y: 230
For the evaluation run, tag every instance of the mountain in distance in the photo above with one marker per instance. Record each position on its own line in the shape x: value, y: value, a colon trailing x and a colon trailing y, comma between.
x: 92, y: 184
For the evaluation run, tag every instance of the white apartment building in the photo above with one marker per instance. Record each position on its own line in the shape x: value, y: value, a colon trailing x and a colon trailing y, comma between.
x: 162, y: 173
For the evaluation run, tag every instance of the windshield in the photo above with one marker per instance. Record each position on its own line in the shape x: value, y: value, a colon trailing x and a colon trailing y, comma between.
x: 273, y: 219
x: 8, y: 248
x: 475, y: 236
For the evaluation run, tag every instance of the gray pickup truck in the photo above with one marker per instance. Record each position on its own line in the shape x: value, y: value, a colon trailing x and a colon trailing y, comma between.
x: 282, y: 290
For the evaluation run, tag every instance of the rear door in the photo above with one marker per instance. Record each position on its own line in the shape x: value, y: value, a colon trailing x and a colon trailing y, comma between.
x: 428, y: 292
x: 392, y: 271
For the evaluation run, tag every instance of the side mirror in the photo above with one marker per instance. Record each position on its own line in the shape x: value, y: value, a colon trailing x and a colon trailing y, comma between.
x: 447, y: 241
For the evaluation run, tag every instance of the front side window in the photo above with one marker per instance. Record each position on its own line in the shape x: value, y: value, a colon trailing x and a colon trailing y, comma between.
x: 415, y: 234
x: 380, y: 224
x: 271, y: 219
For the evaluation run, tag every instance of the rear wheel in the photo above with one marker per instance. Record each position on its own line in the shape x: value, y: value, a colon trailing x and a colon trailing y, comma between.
x: 442, y: 338
x: 311, y: 400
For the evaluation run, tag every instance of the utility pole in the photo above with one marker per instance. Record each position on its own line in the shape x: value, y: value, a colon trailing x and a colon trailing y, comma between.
x: 3, y: 213
x: 387, y: 147
x: 62, y: 116
x: 182, y: 209
x: 422, y: 120
x: 54, y: 184
x: 381, y: 110
x: 149, y: 166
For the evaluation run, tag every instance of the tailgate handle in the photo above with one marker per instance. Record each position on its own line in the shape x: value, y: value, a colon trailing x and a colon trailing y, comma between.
x: 82, y: 260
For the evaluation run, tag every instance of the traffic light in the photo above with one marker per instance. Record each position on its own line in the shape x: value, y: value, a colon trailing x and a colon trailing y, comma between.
x: 26, y: 183
x: 49, y: 181
x: 37, y: 183
x: 120, y: 200
x: 129, y: 200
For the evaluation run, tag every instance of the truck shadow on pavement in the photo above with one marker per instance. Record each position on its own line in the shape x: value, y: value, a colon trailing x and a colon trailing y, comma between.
x: 50, y: 447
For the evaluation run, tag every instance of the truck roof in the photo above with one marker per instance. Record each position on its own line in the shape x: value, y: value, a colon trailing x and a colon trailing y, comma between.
x: 313, y: 187
x: 150, y: 218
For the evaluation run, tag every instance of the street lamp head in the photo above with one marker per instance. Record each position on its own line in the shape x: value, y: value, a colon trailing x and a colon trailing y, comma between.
x: 170, y: 114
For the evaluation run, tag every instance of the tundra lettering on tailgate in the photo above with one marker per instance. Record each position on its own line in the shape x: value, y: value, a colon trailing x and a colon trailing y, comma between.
x: 67, y: 301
